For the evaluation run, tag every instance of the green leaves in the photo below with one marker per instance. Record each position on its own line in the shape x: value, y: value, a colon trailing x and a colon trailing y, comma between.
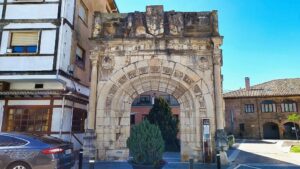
x: 146, y: 144
x: 161, y: 115
x: 294, y: 117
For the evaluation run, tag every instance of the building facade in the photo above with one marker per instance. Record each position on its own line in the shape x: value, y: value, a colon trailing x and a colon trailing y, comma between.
x: 177, y: 53
x: 261, y: 111
x: 44, y: 65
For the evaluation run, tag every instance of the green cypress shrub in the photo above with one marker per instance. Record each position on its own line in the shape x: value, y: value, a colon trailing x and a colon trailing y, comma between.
x: 161, y: 115
x: 146, y: 144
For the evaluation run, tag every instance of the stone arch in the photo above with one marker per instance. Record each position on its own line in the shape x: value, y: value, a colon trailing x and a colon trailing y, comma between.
x: 271, y: 130
x: 116, y: 95
x: 288, y: 132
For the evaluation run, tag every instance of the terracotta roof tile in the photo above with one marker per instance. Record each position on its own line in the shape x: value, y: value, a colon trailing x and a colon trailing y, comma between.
x: 280, y: 87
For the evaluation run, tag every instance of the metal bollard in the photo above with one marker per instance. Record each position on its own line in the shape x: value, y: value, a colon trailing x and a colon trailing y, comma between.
x: 191, y: 163
x: 218, y: 160
x: 91, y: 163
x: 80, y: 159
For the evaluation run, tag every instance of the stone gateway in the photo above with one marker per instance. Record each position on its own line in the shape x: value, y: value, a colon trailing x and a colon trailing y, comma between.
x: 173, y: 52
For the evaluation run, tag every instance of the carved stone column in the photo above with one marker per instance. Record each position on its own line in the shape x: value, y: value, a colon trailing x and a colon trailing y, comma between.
x: 221, y: 137
x: 89, y: 140
x: 94, y: 57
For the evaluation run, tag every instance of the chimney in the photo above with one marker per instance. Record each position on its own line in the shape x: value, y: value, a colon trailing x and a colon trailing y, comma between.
x: 247, y: 83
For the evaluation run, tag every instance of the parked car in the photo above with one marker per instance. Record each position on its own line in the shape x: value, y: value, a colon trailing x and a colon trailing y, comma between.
x: 26, y: 151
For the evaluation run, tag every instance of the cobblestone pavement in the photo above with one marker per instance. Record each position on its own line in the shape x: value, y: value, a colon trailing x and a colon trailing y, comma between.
x: 262, y: 154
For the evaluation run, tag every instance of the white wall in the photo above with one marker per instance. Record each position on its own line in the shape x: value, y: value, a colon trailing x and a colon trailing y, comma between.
x: 65, y: 48
x: 28, y: 102
x: 31, y: 11
x: 1, y: 8
x: 30, y: 85
x: 2, y: 102
x: 26, y: 63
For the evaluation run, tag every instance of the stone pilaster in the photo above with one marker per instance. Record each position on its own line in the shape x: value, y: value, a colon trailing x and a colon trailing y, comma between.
x: 221, y: 137
x: 89, y: 140
x: 217, y: 55
x: 94, y: 57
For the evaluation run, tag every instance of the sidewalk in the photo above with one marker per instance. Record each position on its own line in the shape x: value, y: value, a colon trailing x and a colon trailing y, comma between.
x: 173, y: 160
x: 171, y: 165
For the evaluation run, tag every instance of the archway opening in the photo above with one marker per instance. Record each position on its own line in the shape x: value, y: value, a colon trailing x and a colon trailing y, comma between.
x: 271, y: 131
x: 141, y: 107
x: 290, y: 130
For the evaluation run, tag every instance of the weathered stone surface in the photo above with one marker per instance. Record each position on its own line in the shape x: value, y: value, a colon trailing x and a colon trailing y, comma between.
x: 172, y: 52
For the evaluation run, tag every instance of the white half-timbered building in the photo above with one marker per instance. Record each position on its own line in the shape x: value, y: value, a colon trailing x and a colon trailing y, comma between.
x: 44, y: 66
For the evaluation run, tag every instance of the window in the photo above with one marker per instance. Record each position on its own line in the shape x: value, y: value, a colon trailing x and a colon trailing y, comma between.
x: 132, y: 119
x: 83, y: 12
x: 78, y: 120
x: 28, y: 119
x: 145, y: 99
x: 11, y: 141
x: 39, y: 86
x: 289, y: 106
x: 80, y: 57
x: 24, y: 42
x: 167, y: 98
x: 242, y: 127
x: 249, y: 108
x: 268, y: 106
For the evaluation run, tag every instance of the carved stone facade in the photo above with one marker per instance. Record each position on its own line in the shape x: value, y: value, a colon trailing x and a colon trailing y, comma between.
x: 173, y: 52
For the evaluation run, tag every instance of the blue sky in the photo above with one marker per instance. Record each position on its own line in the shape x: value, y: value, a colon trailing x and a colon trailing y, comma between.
x: 261, y: 37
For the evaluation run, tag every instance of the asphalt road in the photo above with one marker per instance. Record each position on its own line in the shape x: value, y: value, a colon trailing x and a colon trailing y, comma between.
x: 262, y: 154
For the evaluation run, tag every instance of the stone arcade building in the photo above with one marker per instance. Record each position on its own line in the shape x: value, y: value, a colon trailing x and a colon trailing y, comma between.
x: 173, y: 52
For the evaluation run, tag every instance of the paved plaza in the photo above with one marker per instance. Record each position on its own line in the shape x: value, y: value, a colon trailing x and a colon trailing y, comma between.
x: 263, y: 154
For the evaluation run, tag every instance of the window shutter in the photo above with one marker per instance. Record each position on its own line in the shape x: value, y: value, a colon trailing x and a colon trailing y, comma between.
x: 79, y: 53
x: 25, y: 38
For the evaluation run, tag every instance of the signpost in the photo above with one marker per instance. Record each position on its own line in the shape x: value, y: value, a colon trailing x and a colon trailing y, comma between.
x: 207, y: 158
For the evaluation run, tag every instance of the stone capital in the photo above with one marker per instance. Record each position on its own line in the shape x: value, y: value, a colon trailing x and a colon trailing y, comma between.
x: 94, y: 56
x: 218, y: 41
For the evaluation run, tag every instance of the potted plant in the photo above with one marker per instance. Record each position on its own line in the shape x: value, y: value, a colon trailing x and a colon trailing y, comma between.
x: 146, y: 146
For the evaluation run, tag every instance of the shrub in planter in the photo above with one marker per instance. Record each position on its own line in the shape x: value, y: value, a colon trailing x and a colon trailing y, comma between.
x: 231, y: 140
x: 146, y: 146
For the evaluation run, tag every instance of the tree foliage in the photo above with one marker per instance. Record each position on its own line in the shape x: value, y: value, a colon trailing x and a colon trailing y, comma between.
x: 294, y: 118
x: 161, y: 115
x: 146, y: 144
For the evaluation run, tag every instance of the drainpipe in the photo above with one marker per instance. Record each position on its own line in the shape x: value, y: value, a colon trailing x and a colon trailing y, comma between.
x: 62, y: 116
x: 72, y: 114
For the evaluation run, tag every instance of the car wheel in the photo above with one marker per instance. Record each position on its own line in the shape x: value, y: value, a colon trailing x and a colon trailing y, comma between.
x: 19, y: 165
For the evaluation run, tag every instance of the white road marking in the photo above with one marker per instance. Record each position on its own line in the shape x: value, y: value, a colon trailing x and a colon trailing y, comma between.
x: 240, y: 165
x: 235, y: 153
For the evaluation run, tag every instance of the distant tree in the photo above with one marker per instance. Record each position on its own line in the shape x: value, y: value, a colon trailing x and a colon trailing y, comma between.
x: 294, y: 118
x: 161, y: 115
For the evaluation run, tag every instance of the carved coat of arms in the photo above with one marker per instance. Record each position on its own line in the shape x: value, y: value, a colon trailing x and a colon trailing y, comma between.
x: 155, y: 20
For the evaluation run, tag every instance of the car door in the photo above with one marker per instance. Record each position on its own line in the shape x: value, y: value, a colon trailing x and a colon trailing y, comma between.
x: 10, y: 149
